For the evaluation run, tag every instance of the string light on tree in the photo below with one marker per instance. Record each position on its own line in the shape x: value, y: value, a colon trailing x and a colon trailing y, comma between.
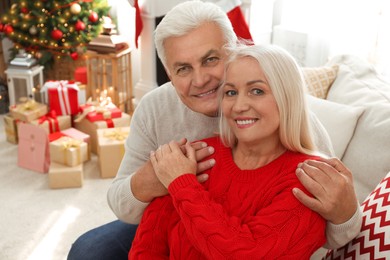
x: 53, y: 29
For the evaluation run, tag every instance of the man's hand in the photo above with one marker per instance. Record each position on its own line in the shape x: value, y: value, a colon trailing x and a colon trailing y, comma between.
x: 331, y: 184
x: 146, y: 186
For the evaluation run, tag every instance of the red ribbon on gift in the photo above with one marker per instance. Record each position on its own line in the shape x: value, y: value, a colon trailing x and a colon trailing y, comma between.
x: 110, y: 123
x: 52, y: 120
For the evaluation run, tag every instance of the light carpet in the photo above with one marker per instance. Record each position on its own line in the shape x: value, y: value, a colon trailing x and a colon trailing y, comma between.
x: 41, y: 223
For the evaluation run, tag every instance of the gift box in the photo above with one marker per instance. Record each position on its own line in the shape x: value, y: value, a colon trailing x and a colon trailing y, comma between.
x: 90, y: 128
x: 62, y: 176
x: 75, y: 134
x: 80, y: 74
x: 33, y: 148
x: 111, y: 149
x: 68, y: 151
x: 102, y: 113
x: 11, y: 129
x: 53, y: 123
x: 82, y: 95
x: 28, y: 110
x: 62, y: 96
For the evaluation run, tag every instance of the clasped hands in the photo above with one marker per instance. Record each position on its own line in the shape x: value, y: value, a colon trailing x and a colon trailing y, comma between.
x: 174, y: 159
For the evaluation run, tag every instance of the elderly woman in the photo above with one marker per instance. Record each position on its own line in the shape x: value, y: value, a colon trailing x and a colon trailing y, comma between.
x: 246, y: 209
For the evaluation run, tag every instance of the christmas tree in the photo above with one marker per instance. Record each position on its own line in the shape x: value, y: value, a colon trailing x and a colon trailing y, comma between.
x: 53, y: 29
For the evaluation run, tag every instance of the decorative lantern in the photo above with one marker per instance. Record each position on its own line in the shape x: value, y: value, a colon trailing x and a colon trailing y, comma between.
x: 110, y: 75
x: 24, y: 82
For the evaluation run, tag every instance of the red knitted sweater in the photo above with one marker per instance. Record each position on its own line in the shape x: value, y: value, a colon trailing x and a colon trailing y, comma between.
x: 236, y: 214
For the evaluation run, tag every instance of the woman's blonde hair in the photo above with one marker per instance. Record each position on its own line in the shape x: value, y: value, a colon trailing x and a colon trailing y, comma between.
x: 286, y: 81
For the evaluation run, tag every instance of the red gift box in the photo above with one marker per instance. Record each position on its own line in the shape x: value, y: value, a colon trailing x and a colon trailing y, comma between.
x: 80, y: 75
x: 101, y: 114
x: 62, y: 96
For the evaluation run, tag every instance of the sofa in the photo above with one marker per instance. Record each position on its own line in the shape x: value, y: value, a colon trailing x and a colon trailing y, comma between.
x: 353, y: 103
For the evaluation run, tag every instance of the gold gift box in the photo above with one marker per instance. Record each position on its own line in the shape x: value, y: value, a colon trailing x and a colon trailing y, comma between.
x: 91, y: 128
x: 11, y: 129
x: 62, y: 176
x: 64, y: 122
x: 111, y: 149
x: 28, y: 111
x: 68, y: 151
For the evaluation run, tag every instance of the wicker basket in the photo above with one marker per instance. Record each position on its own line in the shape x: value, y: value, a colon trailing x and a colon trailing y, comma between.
x: 64, y: 69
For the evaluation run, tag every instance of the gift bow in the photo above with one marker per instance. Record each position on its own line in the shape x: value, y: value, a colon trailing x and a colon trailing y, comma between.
x: 104, y: 111
x: 27, y: 105
x: 118, y: 135
x: 71, y: 143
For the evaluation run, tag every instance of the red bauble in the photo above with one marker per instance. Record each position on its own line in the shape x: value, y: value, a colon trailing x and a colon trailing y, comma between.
x: 24, y: 10
x: 79, y: 26
x: 93, y: 17
x: 1, y: 27
x: 8, y: 29
x: 56, y: 34
x: 74, y: 55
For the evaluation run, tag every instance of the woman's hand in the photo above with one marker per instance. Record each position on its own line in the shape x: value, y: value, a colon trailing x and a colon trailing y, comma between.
x: 170, y: 162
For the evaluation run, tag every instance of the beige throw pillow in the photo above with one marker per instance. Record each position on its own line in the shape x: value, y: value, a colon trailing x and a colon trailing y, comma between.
x: 319, y: 80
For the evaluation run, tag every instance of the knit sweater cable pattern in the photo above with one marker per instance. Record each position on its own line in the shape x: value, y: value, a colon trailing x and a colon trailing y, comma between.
x: 235, y: 214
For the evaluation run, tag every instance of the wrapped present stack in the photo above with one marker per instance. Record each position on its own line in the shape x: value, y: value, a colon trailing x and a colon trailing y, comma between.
x: 60, y: 134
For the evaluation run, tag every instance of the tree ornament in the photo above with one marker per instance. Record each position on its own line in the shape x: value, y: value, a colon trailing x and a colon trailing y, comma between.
x: 56, y: 34
x: 74, y: 55
x: 93, y: 17
x: 8, y: 29
x: 79, y: 26
x: 75, y: 8
x: 24, y: 10
x: 38, y: 55
x: 1, y: 27
x: 33, y: 30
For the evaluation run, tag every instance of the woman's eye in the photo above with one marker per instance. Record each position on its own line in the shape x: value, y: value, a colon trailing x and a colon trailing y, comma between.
x: 230, y: 93
x: 257, y: 91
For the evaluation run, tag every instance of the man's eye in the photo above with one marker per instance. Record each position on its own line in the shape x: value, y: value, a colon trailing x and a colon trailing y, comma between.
x: 211, y: 60
x: 257, y: 91
x: 182, y: 71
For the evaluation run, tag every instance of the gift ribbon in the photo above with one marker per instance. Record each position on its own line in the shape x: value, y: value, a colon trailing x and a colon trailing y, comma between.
x: 116, y: 134
x: 51, y: 119
x: 104, y: 111
x: 63, y: 98
x: 68, y: 145
x: 28, y: 105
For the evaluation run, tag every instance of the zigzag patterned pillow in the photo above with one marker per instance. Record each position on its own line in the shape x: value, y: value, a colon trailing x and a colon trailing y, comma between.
x: 373, y: 241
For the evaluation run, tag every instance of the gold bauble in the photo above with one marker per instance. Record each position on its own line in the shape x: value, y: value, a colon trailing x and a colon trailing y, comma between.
x: 75, y: 8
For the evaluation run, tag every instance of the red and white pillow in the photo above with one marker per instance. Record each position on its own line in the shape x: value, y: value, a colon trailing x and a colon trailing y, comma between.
x: 373, y: 241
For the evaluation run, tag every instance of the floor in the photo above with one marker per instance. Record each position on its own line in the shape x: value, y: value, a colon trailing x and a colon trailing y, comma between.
x: 41, y: 223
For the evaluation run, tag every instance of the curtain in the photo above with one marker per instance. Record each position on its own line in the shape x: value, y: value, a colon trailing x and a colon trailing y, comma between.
x: 357, y: 27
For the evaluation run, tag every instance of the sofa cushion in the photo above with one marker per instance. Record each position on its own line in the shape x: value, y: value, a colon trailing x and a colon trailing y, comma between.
x: 368, y: 153
x: 373, y: 240
x: 341, y: 127
x: 318, y: 80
